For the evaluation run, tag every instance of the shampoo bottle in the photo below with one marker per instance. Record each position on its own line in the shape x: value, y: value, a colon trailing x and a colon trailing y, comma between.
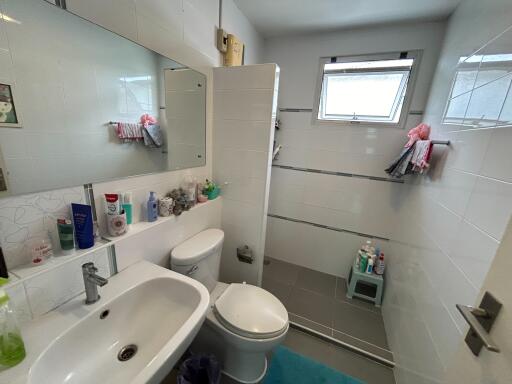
x: 152, y: 207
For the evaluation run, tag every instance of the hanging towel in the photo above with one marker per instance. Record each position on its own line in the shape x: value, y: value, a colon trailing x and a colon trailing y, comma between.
x: 128, y: 132
x: 421, y: 155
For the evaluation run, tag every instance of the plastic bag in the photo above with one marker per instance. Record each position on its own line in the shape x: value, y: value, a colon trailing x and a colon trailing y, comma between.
x: 200, y: 369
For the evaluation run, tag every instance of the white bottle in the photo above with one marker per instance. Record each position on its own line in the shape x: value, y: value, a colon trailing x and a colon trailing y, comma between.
x: 369, y: 268
x: 380, y: 265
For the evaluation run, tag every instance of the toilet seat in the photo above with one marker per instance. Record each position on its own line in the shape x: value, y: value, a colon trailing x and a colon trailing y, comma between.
x: 251, y: 312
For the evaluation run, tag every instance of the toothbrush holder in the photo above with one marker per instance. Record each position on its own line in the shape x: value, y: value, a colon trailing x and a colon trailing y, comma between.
x: 116, y: 224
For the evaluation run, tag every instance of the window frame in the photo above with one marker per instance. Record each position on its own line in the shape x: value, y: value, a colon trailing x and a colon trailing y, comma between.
x: 409, y: 92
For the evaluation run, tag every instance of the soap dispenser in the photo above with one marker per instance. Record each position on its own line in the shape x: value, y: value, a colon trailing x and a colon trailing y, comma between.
x: 12, y: 348
x: 152, y: 207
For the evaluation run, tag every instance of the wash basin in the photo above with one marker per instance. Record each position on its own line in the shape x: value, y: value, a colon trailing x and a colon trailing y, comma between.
x: 135, y: 333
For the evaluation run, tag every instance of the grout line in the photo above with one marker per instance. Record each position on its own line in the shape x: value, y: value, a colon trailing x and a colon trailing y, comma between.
x: 336, y: 229
x: 337, y: 330
x: 352, y: 348
x: 334, y: 173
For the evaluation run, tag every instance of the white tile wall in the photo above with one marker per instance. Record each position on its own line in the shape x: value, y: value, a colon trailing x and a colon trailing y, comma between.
x: 360, y: 205
x: 243, y: 109
x: 26, y: 217
x: 451, y: 223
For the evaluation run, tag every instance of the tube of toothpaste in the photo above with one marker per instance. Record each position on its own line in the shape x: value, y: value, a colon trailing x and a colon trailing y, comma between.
x: 112, y: 204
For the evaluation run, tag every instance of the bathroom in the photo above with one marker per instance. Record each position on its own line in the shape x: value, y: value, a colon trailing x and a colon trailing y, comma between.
x: 220, y: 108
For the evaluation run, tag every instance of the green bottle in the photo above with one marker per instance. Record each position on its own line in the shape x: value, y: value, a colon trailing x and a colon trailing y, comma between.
x: 12, y: 348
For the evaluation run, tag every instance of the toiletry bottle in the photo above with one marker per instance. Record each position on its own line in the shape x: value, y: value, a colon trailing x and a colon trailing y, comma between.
x: 364, y: 262
x: 83, y: 223
x: 152, y: 207
x: 128, y: 207
x: 12, y: 348
x: 66, y: 239
x: 369, y: 268
x: 3, y: 266
x: 379, y: 268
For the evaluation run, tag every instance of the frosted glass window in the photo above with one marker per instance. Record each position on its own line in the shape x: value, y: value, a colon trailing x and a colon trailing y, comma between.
x: 366, y: 91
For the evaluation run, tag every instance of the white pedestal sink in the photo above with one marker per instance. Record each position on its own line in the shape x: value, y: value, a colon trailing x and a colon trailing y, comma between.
x: 146, y: 318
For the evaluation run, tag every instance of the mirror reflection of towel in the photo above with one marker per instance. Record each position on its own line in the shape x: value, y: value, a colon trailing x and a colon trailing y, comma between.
x: 153, y: 136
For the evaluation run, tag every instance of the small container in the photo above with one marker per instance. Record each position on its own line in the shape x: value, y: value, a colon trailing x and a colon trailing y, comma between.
x: 116, y: 224
x: 128, y: 207
x: 152, y: 207
x: 380, y: 266
x: 369, y: 267
x: 165, y: 206
x: 12, y: 348
x: 190, y: 187
x: 40, y: 250
x: 66, y: 237
x: 202, y: 198
x: 363, y: 263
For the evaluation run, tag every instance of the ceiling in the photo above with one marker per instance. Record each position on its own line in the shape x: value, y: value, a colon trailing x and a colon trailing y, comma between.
x: 284, y: 17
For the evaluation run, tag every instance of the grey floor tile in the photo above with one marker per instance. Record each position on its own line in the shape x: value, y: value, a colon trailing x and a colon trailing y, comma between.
x: 281, y: 271
x: 315, y: 281
x: 338, y: 358
x: 307, y: 345
x: 341, y: 295
x: 360, y: 367
x: 360, y: 344
x: 360, y: 323
x: 278, y: 289
x: 311, y: 305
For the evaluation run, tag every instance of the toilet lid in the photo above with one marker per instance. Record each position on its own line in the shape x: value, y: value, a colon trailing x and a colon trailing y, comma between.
x: 197, y: 247
x: 251, y: 311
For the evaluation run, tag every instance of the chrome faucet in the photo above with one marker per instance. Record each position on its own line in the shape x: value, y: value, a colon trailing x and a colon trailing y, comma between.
x: 91, y: 282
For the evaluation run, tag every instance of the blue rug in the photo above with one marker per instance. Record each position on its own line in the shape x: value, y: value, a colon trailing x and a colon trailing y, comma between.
x: 288, y: 367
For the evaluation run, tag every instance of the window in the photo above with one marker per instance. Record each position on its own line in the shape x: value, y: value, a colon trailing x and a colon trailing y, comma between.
x: 370, y: 89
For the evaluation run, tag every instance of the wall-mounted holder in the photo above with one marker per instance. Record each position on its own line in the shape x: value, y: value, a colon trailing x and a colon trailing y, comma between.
x: 441, y: 142
x: 480, y: 321
x: 244, y: 254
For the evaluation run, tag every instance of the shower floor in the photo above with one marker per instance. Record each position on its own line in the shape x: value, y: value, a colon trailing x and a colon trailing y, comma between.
x: 318, y: 301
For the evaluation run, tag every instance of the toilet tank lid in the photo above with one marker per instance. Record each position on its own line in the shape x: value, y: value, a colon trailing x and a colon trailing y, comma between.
x: 197, y: 247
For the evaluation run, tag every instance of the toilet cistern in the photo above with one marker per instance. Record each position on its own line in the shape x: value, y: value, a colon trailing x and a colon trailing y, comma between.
x: 91, y: 282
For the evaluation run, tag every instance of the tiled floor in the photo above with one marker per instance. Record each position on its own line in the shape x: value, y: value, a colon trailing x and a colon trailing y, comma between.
x: 339, y: 358
x: 326, y: 353
x: 318, y: 301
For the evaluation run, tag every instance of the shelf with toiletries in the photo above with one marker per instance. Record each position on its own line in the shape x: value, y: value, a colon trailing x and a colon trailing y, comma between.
x: 30, y: 270
x: 142, y: 226
x: 156, y: 210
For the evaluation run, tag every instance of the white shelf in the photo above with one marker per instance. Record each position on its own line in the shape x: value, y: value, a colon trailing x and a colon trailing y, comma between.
x: 24, y: 272
x: 30, y: 270
x: 142, y: 226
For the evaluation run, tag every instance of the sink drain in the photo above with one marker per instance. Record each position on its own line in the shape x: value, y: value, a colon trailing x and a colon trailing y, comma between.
x: 127, y: 352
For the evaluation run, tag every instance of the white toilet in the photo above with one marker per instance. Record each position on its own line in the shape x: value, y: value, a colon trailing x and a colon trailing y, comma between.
x: 244, y: 322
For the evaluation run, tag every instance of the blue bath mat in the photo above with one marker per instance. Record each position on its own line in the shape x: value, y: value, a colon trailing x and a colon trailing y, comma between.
x: 288, y: 367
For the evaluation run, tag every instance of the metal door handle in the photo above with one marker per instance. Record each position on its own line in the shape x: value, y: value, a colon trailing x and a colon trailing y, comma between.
x: 480, y: 321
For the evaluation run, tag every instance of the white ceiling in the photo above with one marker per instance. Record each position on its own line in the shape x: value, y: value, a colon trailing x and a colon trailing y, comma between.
x: 283, y: 17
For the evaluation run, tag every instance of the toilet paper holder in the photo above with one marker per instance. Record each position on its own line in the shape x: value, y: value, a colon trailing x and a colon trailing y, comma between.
x: 244, y: 254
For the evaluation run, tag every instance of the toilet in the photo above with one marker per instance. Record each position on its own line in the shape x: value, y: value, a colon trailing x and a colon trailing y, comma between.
x: 244, y: 322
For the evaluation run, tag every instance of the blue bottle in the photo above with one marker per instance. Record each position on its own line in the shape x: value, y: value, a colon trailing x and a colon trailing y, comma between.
x: 152, y: 208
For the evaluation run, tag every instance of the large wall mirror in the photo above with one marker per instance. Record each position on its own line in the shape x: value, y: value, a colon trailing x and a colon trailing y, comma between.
x: 72, y: 95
